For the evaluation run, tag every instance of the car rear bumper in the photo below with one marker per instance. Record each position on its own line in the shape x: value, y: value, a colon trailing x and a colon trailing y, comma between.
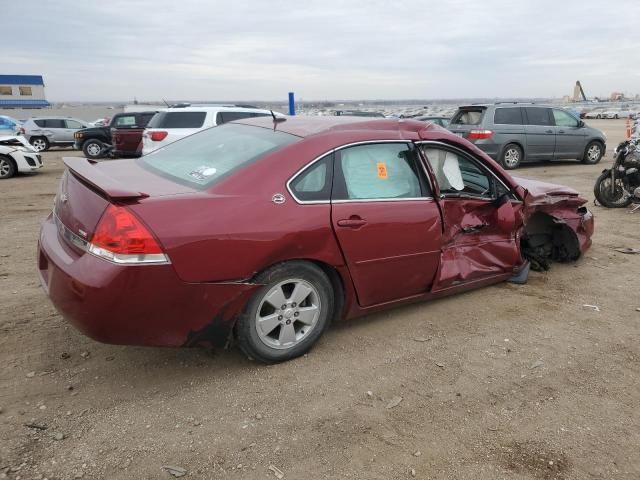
x: 135, y: 304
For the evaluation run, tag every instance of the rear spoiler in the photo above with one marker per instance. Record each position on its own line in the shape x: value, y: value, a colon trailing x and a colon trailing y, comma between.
x: 89, y: 171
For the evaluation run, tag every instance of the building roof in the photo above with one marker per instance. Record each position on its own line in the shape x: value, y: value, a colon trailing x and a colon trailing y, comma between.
x: 13, y: 103
x: 21, y: 80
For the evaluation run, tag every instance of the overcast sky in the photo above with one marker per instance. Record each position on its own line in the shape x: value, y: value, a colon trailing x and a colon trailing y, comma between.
x: 328, y: 49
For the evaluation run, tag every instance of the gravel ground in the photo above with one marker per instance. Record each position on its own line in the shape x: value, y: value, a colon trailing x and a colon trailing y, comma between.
x: 510, y: 381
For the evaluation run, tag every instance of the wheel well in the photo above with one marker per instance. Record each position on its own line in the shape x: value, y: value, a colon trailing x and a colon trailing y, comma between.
x: 547, y: 239
x: 334, y: 277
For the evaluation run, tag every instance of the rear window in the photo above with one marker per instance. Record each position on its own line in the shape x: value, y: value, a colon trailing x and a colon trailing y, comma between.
x: 468, y: 116
x: 177, y: 120
x: 508, y: 116
x: 205, y: 158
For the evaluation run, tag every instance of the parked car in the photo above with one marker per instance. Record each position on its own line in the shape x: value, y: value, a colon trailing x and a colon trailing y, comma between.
x: 357, y: 113
x: 9, y: 126
x: 171, y: 124
x: 99, y: 122
x: 616, y: 113
x: 17, y: 155
x: 596, y: 113
x: 45, y: 132
x: 265, y: 231
x: 516, y: 133
x: 441, y: 121
x: 121, y: 137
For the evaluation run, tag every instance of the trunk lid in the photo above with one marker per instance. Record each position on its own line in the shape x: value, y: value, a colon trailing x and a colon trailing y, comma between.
x: 88, y: 187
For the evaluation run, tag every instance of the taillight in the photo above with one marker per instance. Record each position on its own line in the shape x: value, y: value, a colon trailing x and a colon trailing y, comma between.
x: 479, y: 134
x: 21, y: 131
x: 158, y: 136
x: 122, y: 238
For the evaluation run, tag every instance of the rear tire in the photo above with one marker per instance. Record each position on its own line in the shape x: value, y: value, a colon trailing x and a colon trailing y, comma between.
x: 593, y: 153
x: 93, y: 149
x: 40, y: 144
x: 511, y: 156
x: 269, y: 333
x: 7, y: 167
x: 606, y: 198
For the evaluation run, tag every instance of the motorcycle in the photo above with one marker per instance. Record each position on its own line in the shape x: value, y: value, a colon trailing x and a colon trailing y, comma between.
x: 619, y: 186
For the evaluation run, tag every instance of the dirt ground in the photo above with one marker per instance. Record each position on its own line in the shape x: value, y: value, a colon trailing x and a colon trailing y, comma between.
x: 510, y: 381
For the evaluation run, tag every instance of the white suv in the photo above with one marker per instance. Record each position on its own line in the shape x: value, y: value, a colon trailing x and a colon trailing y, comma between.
x: 176, y: 122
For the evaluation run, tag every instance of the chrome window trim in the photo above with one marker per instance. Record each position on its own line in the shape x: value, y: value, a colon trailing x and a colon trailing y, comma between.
x: 482, y: 165
x: 334, y: 150
x: 369, y: 200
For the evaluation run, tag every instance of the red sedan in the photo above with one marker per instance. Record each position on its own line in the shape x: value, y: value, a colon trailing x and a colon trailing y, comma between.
x: 265, y: 232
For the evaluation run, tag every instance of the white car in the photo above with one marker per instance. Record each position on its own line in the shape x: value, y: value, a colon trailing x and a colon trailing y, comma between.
x: 597, y: 113
x: 617, y: 113
x: 16, y: 155
x: 173, y: 123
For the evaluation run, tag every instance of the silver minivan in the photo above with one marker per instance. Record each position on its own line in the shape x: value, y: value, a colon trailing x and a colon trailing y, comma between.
x: 512, y: 133
x: 46, y: 132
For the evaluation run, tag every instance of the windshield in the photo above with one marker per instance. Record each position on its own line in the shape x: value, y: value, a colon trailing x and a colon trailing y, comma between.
x: 202, y: 159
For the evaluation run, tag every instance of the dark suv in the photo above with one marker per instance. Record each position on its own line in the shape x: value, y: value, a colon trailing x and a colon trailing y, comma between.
x: 524, y: 132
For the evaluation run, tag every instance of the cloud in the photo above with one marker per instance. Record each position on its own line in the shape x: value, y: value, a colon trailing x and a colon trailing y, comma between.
x: 331, y: 49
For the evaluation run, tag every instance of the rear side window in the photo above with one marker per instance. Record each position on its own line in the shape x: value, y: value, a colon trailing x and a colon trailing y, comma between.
x: 377, y: 171
x: 125, y: 121
x: 314, y: 183
x: 224, y: 117
x: 508, y: 116
x: 468, y: 116
x: 177, y: 120
x: 54, y: 123
x: 538, y: 116
x: 202, y: 159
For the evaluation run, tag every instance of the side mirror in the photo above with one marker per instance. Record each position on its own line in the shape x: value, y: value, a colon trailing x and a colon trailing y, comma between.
x: 580, y: 124
x: 505, y: 216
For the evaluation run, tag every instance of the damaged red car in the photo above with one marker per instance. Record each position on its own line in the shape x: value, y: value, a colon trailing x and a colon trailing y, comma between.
x: 264, y: 231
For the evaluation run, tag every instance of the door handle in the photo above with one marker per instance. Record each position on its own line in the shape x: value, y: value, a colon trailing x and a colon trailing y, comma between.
x: 560, y: 131
x: 548, y: 131
x: 352, y: 222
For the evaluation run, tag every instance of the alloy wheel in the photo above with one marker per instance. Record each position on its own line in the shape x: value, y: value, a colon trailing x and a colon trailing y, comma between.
x: 39, y: 144
x: 93, y: 149
x: 5, y: 168
x: 593, y: 153
x: 512, y: 157
x: 288, y: 312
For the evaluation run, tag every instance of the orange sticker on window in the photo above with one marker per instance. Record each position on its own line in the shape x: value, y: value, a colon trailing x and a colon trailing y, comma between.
x: 382, y: 171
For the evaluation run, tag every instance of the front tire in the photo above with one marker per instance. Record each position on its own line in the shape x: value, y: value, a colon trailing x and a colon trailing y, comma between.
x: 511, y: 156
x: 40, y: 144
x: 93, y: 149
x: 288, y: 314
x: 7, y: 167
x: 607, y: 198
x: 593, y: 153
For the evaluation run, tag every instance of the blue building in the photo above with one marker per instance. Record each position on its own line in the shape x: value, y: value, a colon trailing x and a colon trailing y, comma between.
x: 22, y: 91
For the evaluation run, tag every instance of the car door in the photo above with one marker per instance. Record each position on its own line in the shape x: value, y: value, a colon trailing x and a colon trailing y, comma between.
x: 125, y: 133
x: 570, y: 136
x: 71, y: 127
x: 386, y: 221
x: 540, y: 134
x: 479, y: 219
x: 58, y: 129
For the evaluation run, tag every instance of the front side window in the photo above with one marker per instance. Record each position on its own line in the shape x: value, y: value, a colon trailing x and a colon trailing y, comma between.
x: 378, y: 171
x: 25, y: 91
x: 224, y: 117
x: 457, y: 174
x: 538, y: 116
x: 177, y: 120
x: 314, y: 183
x: 73, y: 124
x: 508, y: 116
x: 564, y: 119
x: 202, y: 159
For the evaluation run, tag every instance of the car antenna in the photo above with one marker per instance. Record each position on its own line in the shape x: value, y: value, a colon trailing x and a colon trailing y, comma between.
x: 166, y: 103
x: 277, y: 119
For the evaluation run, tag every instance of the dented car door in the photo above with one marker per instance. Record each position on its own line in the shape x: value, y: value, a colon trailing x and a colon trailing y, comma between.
x: 481, y: 218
